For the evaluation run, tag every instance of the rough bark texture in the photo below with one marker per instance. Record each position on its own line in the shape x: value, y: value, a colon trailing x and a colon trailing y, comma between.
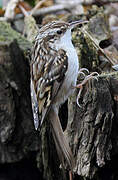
x: 91, y: 127
x: 17, y: 135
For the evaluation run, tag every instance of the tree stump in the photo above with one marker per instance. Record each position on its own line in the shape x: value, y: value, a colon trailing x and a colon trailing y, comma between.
x: 91, y: 127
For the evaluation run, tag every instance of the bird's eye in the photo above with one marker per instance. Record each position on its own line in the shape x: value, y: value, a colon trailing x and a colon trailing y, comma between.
x: 59, y: 32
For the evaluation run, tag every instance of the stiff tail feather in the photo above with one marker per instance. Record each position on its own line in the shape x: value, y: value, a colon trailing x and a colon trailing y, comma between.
x: 62, y: 146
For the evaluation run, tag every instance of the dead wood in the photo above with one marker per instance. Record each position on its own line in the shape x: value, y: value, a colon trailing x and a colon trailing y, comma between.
x: 90, y: 128
x: 17, y: 135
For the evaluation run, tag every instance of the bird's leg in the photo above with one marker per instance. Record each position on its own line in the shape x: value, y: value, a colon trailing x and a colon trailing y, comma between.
x: 86, y: 79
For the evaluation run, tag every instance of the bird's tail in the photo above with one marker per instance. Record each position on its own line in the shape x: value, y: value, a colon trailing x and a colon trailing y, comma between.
x: 62, y: 146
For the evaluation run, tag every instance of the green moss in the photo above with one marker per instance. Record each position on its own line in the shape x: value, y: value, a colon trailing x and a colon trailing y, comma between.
x: 8, y: 34
x: 87, y: 39
x: 87, y: 53
x: 30, y: 28
x: 2, y: 38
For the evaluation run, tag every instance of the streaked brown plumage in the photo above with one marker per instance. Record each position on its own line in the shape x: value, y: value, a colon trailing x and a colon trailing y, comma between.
x: 54, y: 71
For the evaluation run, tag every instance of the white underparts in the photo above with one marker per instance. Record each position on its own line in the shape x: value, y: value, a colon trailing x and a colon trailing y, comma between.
x: 72, y: 71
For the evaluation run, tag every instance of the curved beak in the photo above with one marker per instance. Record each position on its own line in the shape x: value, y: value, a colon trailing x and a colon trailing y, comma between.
x: 75, y: 23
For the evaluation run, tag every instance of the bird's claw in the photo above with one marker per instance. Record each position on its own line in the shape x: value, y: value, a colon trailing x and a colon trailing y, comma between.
x: 78, y: 96
x: 81, y: 71
x: 93, y: 75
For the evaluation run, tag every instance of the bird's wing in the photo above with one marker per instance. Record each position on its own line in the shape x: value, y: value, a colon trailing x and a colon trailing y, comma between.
x: 47, y: 75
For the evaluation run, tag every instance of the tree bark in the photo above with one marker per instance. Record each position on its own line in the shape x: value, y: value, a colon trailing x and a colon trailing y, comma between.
x: 17, y: 135
x: 91, y: 127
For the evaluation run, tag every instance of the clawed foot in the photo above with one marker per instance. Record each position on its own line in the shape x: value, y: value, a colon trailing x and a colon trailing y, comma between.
x: 86, y: 79
x: 81, y: 71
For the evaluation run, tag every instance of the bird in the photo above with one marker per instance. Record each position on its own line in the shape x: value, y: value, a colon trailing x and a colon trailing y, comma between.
x: 54, y: 70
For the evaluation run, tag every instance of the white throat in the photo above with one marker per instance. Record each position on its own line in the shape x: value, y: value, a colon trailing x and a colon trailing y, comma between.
x: 65, y: 41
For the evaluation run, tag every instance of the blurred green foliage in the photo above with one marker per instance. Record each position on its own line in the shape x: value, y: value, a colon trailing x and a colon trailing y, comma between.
x: 31, y: 2
x: 0, y: 3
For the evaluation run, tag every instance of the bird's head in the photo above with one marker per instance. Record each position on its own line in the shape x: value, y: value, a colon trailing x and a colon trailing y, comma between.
x: 56, y: 30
